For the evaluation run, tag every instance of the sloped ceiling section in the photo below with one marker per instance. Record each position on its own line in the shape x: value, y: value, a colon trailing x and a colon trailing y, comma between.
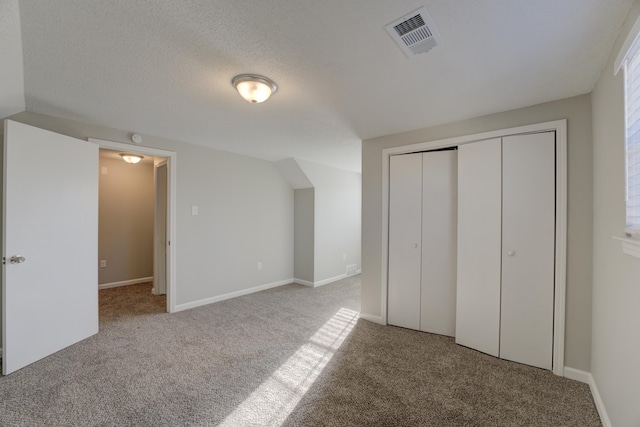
x: 11, y: 62
x: 292, y: 171
x: 164, y: 68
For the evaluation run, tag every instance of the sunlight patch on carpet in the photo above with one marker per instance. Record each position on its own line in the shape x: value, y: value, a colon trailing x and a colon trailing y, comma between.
x: 274, y: 400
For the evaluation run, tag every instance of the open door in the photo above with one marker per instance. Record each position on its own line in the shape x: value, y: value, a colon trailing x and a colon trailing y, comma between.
x: 50, y: 243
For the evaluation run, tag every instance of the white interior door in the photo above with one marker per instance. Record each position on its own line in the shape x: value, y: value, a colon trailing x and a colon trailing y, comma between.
x: 528, y: 255
x: 439, y: 230
x: 405, y: 217
x: 50, y: 300
x: 479, y: 245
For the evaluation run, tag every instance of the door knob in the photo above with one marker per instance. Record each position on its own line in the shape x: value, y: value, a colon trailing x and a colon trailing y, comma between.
x: 511, y: 253
x: 17, y: 259
x: 415, y: 245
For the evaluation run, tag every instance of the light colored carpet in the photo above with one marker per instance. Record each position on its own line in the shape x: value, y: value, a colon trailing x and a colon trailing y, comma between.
x: 292, y: 356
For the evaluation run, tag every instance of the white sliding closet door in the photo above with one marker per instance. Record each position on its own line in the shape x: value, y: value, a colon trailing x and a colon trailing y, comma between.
x: 405, y: 217
x: 479, y: 245
x: 528, y: 258
x: 439, y: 229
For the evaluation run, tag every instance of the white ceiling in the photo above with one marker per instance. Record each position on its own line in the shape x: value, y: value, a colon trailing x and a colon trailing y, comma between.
x: 164, y: 67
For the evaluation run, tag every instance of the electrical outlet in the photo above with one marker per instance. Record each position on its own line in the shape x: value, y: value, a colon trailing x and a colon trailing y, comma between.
x: 194, y: 210
x: 344, y: 257
x: 103, y: 263
x: 259, y: 265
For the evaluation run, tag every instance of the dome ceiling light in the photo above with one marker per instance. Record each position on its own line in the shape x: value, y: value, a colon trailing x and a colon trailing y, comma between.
x: 254, y: 88
x: 131, y: 158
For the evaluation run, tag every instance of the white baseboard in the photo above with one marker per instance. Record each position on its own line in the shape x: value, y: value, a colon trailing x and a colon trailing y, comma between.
x: 323, y: 282
x: 586, y: 377
x: 372, y: 318
x: 604, y: 417
x: 577, y: 375
x: 206, y: 301
x: 319, y: 283
x: 303, y: 282
x: 329, y: 280
x: 125, y: 283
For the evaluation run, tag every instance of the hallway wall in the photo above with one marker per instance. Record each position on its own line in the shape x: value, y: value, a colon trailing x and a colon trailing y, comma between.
x: 125, y: 218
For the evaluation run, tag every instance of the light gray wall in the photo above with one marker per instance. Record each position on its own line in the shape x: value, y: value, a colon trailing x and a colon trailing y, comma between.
x: 125, y: 213
x: 337, y: 219
x: 579, y: 247
x: 304, y: 234
x: 245, y: 213
x: 616, y: 276
x: 11, y: 64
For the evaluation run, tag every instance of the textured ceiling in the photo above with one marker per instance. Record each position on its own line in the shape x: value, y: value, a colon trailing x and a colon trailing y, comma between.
x: 164, y: 67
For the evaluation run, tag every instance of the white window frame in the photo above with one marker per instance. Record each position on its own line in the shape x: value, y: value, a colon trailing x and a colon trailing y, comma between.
x: 630, y: 48
x: 631, y: 102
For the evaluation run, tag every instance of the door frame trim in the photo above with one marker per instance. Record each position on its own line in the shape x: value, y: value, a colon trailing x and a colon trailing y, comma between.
x: 171, y: 157
x: 560, y: 128
x: 157, y: 254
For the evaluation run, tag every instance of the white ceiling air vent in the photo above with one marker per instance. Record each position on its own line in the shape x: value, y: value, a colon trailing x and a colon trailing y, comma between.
x: 415, y: 32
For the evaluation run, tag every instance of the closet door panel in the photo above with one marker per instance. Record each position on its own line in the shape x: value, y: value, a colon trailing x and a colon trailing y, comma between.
x: 479, y: 245
x: 405, y: 217
x: 528, y: 261
x: 439, y: 238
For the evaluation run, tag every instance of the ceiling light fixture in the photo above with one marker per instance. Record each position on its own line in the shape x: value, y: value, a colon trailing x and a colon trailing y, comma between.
x: 131, y: 158
x: 254, y: 88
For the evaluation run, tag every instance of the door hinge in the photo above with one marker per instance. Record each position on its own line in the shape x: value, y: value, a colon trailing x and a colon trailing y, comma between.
x: 4, y: 260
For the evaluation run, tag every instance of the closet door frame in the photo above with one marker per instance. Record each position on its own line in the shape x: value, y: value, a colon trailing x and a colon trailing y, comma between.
x: 560, y: 128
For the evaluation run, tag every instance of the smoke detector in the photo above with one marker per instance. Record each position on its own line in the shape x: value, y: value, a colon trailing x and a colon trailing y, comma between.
x: 414, y: 33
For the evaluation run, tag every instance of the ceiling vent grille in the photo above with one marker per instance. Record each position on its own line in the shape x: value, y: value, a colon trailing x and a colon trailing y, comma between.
x: 414, y: 33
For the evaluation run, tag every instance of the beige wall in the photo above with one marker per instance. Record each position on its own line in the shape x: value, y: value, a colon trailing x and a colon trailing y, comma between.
x: 125, y: 232
x: 577, y: 111
x: 616, y: 276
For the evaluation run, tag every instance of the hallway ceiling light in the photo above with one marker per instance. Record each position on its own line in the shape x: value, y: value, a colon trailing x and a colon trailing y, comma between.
x: 131, y: 158
x: 254, y: 88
